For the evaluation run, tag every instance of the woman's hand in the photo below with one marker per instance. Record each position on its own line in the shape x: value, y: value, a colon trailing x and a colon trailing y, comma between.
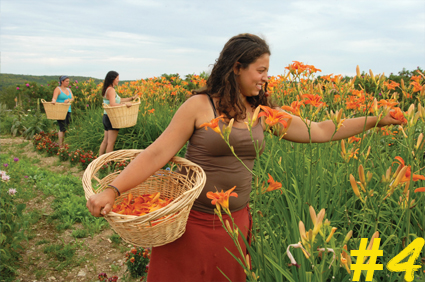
x: 388, y: 120
x: 66, y: 101
x: 128, y: 105
x: 102, y: 203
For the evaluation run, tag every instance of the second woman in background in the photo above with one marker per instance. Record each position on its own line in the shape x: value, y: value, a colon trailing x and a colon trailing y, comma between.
x: 110, y: 97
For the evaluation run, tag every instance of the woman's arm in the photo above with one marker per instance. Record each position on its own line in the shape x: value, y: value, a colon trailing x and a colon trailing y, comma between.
x: 129, y: 99
x: 153, y: 158
x: 322, y: 131
x: 56, y: 93
x: 110, y: 95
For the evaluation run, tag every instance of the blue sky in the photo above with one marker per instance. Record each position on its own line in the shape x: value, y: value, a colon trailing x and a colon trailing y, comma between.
x: 141, y: 39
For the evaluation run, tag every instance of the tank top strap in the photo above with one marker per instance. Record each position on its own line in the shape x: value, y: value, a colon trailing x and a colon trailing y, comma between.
x: 213, y: 106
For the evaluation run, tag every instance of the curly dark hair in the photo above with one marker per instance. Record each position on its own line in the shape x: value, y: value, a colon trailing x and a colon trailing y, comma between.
x: 243, y: 49
x: 109, y: 79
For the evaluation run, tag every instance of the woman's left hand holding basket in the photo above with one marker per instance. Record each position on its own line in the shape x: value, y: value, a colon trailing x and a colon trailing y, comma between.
x: 101, y: 204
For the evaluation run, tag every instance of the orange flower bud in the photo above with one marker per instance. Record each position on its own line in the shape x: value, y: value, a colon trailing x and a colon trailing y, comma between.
x: 348, y: 236
x: 354, y: 186
x: 361, y: 175
x: 247, y: 261
x: 330, y: 235
x: 418, y: 143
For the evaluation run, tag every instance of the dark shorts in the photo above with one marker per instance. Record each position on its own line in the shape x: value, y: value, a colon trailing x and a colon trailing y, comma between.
x: 63, y: 124
x: 107, y: 123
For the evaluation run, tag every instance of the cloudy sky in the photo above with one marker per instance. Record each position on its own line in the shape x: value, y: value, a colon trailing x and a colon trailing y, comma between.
x: 146, y: 38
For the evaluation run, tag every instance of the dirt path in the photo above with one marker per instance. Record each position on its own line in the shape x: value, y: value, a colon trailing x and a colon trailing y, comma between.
x: 93, y: 255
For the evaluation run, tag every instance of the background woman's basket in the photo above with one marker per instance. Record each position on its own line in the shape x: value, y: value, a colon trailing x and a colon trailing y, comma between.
x: 123, y: 116
x: 56, y: 111
x: 164, y: 225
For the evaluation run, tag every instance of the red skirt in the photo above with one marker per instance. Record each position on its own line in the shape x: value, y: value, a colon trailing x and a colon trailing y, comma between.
x: 201, y: 251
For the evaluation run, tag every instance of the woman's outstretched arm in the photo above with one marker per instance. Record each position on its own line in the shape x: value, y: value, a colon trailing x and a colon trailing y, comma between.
x: 323, y: 131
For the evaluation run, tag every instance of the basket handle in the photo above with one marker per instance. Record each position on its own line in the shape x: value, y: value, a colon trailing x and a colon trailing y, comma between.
x: 106, y: 106
x: 43, y: 101
x: 137, y: 100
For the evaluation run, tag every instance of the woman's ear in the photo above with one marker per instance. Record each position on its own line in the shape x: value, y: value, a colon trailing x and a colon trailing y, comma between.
x: 236, y: 68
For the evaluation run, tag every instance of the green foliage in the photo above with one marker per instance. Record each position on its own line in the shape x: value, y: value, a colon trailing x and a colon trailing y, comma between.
x: 42, y: 242
x: 115, y: 238
x: 61, y: 252
x: 80, y: 233
x: 25, y: 123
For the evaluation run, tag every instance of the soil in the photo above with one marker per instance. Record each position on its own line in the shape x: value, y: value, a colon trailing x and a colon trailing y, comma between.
x: 95, y: 255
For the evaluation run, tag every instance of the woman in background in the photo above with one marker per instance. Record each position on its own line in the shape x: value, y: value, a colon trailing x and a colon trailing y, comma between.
x: 111, y: 98
x: 62, y: 94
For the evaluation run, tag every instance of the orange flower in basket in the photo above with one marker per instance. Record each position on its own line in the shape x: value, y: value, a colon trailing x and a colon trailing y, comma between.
x: 397, y: 114
x: 140, y: 205
x: 222, y: 198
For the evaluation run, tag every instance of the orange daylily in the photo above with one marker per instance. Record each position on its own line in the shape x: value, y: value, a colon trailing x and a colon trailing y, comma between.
x: 294, y: 108
x: 222, y: 198
x: 353, y: 139
x: 397, y: 114
x: 314, y: 100
x: 299, y: 67
x: 296, y: 67
x: 422, y: 189
x: 213, y: 124
x: 391, y: 85
x: 151, y: 111
x: 416, y: 78
x: 416, y: 86
x: 273, y: 185
x: 406, y: 176
x: 387, y: 103
x: 274, y: 116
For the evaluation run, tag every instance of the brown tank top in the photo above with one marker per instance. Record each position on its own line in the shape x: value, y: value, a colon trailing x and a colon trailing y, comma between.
x: 207, y: 149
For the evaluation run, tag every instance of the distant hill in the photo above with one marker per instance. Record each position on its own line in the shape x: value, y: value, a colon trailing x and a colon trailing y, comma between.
x: 8, y: 79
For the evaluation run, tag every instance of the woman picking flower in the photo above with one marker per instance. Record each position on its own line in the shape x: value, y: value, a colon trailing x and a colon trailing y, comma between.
x: 236, y: 87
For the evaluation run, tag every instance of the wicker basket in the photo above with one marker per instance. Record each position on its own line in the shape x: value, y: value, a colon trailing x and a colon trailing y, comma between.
x: 164, y: 225
x: 123, y: 116
x: 56, y: 111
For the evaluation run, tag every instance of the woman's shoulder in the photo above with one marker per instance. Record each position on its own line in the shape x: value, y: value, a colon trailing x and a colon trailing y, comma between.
x: 198, y: 101
x: 110, y: 90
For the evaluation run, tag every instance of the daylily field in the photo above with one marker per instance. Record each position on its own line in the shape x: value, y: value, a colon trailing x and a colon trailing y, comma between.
x: 311, y: 203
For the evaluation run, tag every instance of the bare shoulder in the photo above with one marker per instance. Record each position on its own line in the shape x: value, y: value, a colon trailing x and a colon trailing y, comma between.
x: 200, y: 108
x: 110, y: 92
